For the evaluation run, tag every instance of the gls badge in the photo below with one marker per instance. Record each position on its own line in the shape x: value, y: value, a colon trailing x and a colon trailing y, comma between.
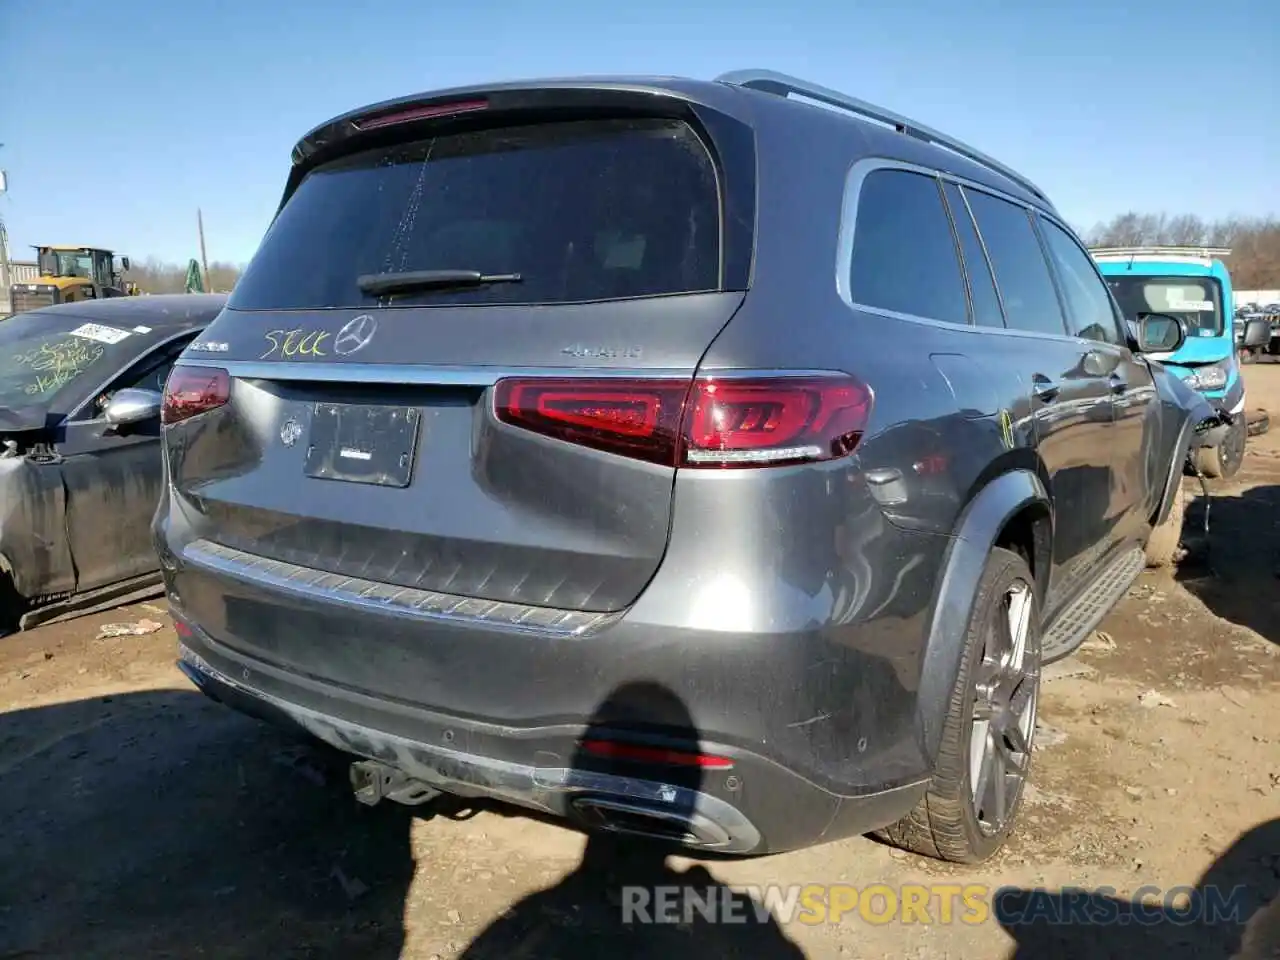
x: 355, y: 335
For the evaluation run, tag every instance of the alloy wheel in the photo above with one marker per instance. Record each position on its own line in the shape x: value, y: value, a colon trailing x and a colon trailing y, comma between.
x: 1231, y: 451
x: 1007, y: 686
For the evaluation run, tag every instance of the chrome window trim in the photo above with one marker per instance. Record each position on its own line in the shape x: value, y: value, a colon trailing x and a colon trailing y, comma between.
x: 854, y: 180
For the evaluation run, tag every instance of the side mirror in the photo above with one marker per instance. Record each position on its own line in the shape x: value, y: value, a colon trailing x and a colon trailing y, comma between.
x: 133, y: 406
x: 1257, y: 333
x: 1160, y: 333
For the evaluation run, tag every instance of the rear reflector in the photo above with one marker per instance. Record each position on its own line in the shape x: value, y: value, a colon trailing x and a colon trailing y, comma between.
x: 429, y: 111
x: 613, y: 750
x: 194, y: 390
x: 707, y: 423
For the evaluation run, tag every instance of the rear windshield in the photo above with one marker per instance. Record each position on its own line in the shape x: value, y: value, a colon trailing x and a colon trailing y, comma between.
x: 590, y: 210
x: 1197, y: 301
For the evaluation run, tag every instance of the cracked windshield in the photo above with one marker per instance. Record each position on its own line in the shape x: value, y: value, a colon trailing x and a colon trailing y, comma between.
x: 573, y: 481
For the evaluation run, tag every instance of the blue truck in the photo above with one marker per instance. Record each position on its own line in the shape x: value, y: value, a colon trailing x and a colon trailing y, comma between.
x: 1192, y: 284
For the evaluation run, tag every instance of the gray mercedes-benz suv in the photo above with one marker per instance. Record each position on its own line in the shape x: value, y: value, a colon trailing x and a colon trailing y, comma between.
x: 814, y: 420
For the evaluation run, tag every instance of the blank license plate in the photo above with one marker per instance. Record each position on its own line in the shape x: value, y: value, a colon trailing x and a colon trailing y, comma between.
x: 359, y: 443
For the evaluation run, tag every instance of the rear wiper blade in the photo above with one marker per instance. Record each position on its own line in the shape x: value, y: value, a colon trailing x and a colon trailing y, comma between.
x: 379, y: 284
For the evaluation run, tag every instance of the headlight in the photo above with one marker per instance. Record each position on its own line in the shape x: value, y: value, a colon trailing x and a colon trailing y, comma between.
x: 1212, y: 376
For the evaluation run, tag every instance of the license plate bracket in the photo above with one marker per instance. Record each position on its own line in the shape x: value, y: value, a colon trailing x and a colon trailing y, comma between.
x: 363, y: 443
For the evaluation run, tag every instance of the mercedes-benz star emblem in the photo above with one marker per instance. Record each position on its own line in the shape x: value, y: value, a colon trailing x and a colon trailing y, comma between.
x: 355, y: 335
x: 290, y: 431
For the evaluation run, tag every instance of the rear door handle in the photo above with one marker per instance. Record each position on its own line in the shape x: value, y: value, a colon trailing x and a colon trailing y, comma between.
x: 1045, y: 389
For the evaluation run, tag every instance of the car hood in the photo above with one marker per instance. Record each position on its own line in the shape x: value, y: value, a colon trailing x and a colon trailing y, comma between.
x: 24, y: 419
x: 1196, y: 351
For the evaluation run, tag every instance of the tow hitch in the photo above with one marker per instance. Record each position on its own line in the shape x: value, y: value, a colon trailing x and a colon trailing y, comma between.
x: 372, y: 781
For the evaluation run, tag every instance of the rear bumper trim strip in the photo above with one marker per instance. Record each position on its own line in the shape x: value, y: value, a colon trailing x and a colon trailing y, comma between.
x: 386, y: 598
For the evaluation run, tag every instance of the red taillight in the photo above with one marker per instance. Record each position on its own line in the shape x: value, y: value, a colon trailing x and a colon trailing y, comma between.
x: 638, y: 419
x: 729, y: 422
x: 426, y: 112
x: 193, y: 390
x: 612, y: 750
x: 775, y: 420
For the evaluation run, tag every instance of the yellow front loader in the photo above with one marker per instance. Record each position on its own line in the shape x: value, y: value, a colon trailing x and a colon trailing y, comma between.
x: 68, y: 274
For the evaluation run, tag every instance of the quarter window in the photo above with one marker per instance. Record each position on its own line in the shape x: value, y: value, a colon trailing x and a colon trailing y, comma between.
x: 904, y: 255
x: 1089, y: 310
x: 1022, y: 273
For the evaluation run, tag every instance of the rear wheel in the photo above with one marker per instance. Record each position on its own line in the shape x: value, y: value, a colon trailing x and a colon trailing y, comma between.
x: 985, y: 754
x: 1162, y: 545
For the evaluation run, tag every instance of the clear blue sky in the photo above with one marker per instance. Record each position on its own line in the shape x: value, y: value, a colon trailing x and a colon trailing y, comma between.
x: 120, y: 117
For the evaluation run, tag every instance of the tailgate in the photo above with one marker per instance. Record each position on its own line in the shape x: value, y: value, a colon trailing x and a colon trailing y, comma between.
x: 361, y: 435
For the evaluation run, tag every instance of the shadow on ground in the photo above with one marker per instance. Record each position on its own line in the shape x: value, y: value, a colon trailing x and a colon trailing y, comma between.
x: 624, y: 900
x: 1233, y: 911
x: 1235, y: 573
x: 161, y: 824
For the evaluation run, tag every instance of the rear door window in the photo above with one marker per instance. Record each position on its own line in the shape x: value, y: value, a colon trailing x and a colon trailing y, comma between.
x: 581, y: 211
x: 982, y: 288
x: 1022, y: 273
x: 904, y: 253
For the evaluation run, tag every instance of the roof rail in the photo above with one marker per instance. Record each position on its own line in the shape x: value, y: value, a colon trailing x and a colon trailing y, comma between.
x: 1190, y: 250
x: 783, y: 85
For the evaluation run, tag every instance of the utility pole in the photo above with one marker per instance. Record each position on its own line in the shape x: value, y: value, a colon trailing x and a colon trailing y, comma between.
x: 204, y: 262
x: 5, y: 280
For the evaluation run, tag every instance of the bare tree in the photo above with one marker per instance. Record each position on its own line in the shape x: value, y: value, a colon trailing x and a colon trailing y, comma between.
x: 156, y: 276
x: 1255, y: 242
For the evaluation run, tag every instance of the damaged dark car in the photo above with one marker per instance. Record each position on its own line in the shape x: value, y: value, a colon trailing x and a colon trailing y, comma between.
x: 81, y: 387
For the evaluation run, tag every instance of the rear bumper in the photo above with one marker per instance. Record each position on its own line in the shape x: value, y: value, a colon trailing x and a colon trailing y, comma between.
x: 796, y: 658
x: 755, y: 806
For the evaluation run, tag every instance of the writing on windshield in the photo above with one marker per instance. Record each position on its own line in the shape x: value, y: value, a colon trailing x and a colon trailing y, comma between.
x: 55, y: 363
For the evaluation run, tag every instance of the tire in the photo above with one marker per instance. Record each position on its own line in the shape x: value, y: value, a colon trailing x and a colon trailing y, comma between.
x: 12, y: 604
x: 1223, y: 461
x: 1259, y: 422
x: 946, y: 824
x: 1162, y: 545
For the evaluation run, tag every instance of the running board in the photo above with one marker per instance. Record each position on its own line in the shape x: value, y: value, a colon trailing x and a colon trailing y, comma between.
x: 95, y: 601
x: 1077, y: 620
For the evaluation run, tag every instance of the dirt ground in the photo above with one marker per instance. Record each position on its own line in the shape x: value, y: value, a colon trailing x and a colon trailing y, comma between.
x: 139, y: 820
